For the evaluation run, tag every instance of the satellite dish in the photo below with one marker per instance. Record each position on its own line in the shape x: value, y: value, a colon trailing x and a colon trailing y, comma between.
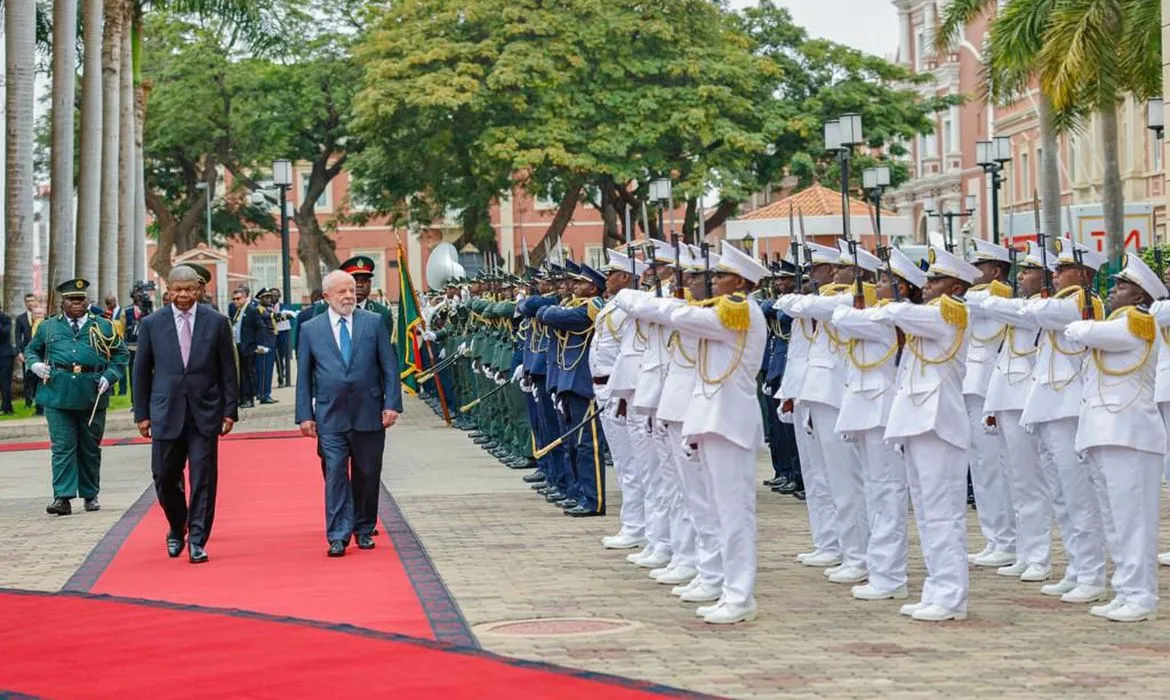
x: 443, y: 266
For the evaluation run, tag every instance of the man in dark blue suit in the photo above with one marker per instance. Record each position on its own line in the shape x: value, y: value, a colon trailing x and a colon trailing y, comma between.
x: 348, y: 394
x: 184, y: 398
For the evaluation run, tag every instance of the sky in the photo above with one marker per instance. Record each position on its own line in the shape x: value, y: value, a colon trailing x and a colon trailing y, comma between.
x: 868, y: 25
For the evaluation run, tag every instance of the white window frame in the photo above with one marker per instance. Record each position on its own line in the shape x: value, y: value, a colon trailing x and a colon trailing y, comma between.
x: 919, y: 46
x: 268, y: 279
x: 595, y: 256
x: 543, y: 203
x: 325, y: 202
x: 1025, y: 176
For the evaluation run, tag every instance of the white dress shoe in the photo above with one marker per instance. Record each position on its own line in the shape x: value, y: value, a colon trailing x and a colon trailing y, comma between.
x: 868, y: 592
x: 910, y: 608
x: 679, y: 590
x: 822, y: 560
x: 1128, y: 613
x: 1035, y: 572
x: 702, y: 593
x: 833, y: 569
x: 1014, y: 570
x: 705, y: 610
x: 1084, y: 594
x: 849, y: 574
x: 982, y: 553
x: 1164, y: 558
x: 645, y: 552
x: 805, y: 555
x: 1104, y: 610
x: 994, y: 559
x: 728, y: 614
x: 653, y: 560
x: 622, y: 541
x: 677, y: 575
x: 660, y: 571
x: 937, y: 613
x: 1059, y: 588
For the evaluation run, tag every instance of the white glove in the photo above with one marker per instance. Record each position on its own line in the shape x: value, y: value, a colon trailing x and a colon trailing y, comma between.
x: 41, y: 370
x: 500, y: 381
x: 290, y: 315
x: 463, y: 347
x: 1077, y: 330
x: 788, y: 418
x: 848, y: 436
x: 518, y: 373
x: 429, y: 336
x: 103, y: 385
x: 988, y: 427
x: 261, y: 350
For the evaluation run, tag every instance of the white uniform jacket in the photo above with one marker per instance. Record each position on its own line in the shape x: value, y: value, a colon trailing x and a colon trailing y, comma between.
x: 798, y: 344
x: 1056, y: 376
x: 605, y: 345
x: 870, y: 370
x: 824, y: 370
x: 984, y: 335
x: 1160, y: 310
x: 1012, y: 378
x: 624, y: 376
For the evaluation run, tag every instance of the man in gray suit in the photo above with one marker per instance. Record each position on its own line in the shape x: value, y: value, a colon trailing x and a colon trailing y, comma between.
x: 348, y: 394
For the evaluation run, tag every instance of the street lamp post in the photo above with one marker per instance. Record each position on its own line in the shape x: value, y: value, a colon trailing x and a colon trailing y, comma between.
x: 842, y: 135
x: 204, y: 186
x: 660, y: 192
x: 875, y: 181
x: 992, y: 156
x: 950, y: 216
x: 282, y: 179
x: 1155, y: 117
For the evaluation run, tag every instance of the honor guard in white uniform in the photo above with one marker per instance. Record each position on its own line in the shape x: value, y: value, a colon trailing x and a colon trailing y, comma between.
x: 612, y: 326
x: 986, y: 458
x: 870, y: 383
x: 1051, y: 414
x: 1121, y: 430
x: 723, y: 425
x: 1007, y: 393
x: 1160, y: 310
x: 822, y: 513
x: 929, y: 421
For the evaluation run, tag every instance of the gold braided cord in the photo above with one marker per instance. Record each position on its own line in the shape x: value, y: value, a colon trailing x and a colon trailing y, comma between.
x: 104, y: 344
x: 915, y: 343
x: 866, y: 366
x: 740, y: 346
x: 615, y: 332
x: 638, y: 334
x: 1011, y: 344
x: 1127, y: 312
x: 675, y: 343
x: 804, y: 332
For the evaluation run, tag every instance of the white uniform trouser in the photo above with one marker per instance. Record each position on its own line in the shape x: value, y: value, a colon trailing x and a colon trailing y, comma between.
x: 732, y: 473
x: 846, y: 485
x: 937, y: 474
x: 617, y: 436
x: 822, y: 514
x: 645, y: 458
x: 993, y: 500
x: 682, y: 528
x: 1031, y: 494
x: 886, y: 502
x: 1164, y: 409
x: 1083, y: 538
x: 695, y: 483
x: 1132, y: 480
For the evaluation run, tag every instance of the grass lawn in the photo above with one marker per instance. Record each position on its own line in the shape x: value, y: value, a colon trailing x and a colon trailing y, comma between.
x: 117, y: 403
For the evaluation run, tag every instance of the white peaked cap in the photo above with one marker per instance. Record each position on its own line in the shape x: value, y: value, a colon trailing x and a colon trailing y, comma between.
x: 737, y: 262
x: 1035, y: 257
x: 686, y: 257
x: 986, y: 251
x: 663, y: 252
x: 817, y: 254
x: 944, y: 263
x: 695, y: 254
x: 905, y: 268
x: 620, y: 262
x: 1137, y: 271
x: 1064, y: 254
x: 865, y: 259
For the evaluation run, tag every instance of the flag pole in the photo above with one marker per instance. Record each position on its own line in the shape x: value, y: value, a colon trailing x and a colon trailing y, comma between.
x: 403, y: 273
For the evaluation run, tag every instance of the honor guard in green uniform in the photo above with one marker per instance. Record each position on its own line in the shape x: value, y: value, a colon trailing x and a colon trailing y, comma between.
x: 78, y: 356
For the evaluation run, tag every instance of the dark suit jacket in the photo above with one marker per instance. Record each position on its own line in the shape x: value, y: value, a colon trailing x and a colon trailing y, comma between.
x: 7, y: 349
x: 249, y: 327
x: 206, y: 389
x: 24, y: 334
x: 347, y: 398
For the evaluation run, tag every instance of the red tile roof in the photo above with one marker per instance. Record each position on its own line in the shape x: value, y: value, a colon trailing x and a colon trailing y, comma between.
x: 816, y: 200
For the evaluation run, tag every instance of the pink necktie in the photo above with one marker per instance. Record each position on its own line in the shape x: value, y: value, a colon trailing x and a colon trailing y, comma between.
x: 185, y: 337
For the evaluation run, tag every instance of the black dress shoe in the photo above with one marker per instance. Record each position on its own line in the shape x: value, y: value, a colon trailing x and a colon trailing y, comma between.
x: 554, y: 496
x: 92, y: 504
x: 799, y: 494
x: 534, y: 477
x: 567, y: 503
x: 519, y: 463
x: 542, y: 488
x: 174, y: 545
x: 195, y: 553
x: 337, y: 548
x: 582, y: 512
x: 268, y: 401
x: 59, y: 506
x: 365, y: 541
x: 246, y: 404
x: 775, y: 481
x: 789, y: 486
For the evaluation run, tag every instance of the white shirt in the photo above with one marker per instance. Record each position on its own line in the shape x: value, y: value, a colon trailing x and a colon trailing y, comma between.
x: 190, y: 319
x: 335, y: 324
x: 282, y: 321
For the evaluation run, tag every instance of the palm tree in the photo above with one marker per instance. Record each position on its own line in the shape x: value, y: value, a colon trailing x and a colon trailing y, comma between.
x: 111, y: 103
x: 127, y: 180
x: 89, y: 176
x: 61, y: 231
x: 19, y: 37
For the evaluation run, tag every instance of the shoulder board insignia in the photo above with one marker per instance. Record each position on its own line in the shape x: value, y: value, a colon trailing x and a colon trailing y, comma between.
x: 1067, y: 292
x: 832, y: 289
x: 978, y: 288
x: 1140, y: 324
x: 999, y: 289
x: 869, y: 291
x: 733, y: 313
x: 954, y: 312
x: 592, y: 309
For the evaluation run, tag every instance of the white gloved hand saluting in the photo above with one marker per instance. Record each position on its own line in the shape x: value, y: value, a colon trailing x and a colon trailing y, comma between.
x: 261, y: 350
x: 428, y: 336
x: 41, y: 370
x: 518, y: 373
x: 103, y: 385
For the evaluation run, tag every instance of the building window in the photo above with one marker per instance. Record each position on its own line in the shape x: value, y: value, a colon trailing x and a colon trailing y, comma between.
x: 920, y: 48
x: 1155, y: 153
x: 543, y: 203
x: 1072, y: 161
x: 948, y: 137
x: 379, y: 257
x: 323, y: 202
x: 1040, y: 168
x: 1025, y: 178
x: 929, y: 145
x: 595, y: 256
x: 264, y: 268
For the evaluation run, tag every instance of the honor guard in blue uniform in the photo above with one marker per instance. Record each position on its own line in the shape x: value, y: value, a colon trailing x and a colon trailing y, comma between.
x: 78, y: 357
x: 781, y: 435
x: 265, y: 346
x: 539, y: 362
x: 572, y: 327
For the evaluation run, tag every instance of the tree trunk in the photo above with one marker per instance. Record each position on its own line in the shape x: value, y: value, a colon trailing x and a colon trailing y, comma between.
x: 721, y: 214
x: 174, y: 235
x: 1112, y: 197
x: 1049, y: 169
x: 140, y: 188
x: 313, y: 246
x: 127, y: 180
x: 562, y: 218
x: 19, y: 36
x: 111, y: 140
x: 89, y: 172
x: 611, y: 226
x: 62, y: 241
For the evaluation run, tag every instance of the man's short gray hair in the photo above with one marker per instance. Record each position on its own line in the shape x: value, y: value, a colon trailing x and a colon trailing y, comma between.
x: 182, y: 273
x: 334, y: 278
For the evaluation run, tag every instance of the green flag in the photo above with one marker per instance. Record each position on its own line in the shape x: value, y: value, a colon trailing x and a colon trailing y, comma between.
x: 409, y: 318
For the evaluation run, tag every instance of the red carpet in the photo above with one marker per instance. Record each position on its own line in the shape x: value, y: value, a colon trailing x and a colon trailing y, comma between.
x: 74, y: 647
x: 44, y: 445
x: 267, y: 550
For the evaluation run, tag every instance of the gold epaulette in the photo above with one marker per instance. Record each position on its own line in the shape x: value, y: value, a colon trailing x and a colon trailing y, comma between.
x: 733, y: 312
x: 868, y: 291
x: 832, y: 289
x: 953, y: 311
x: 999, y: 289
x: 592, y: 309
x: 1140, y: 323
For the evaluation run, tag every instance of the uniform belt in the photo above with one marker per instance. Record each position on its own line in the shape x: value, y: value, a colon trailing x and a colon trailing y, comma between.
x: 78, y: 369
x: 601, y: 380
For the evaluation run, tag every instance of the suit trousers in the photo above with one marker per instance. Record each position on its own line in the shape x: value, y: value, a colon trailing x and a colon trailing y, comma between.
x: 76, y: 452
x: 645, y: 461
x: 937, y: 473
x: 168, y: 458
x: 887, y: 498
x: 6, y: 364
x: 264, y: 364
x: 1081, y: 527
x: 1131, y: 480
x: 283, y: 357
x: 846, y: 484
x: 732, y: 473
x: 702, y: 522
x: 247, y: 375
x: 1031, y: 493
x: 822, y: 513
x: 617, y: 436
x: 993, y: 499
x: 353, y: 478
x: 556, y: 468
x: 682, y: 524
x: 30, y: 386
x: 782, y: 445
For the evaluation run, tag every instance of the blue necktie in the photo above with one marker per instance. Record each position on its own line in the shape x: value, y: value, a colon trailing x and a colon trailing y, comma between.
x: 345, y: 342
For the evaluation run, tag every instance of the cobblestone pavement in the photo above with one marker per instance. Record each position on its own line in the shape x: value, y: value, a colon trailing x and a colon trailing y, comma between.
x: 507, y: 555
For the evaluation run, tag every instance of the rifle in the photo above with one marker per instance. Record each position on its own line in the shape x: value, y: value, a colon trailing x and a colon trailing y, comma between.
x: 589, y: 416
x: 1014, y: 257
x: 679, y: 292
x: 804, y: 246
x: 1041, y: 240
x: 858, y: 290
x: 1087, y: 304
x: 652, y: 260
x: 795, y: 246
x: 705, y: 248
x: 440, y: 366
x: 468, y: 406
x: 885, y: 254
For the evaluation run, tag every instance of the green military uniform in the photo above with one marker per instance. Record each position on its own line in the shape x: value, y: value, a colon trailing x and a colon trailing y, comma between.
x: 78, y: 358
